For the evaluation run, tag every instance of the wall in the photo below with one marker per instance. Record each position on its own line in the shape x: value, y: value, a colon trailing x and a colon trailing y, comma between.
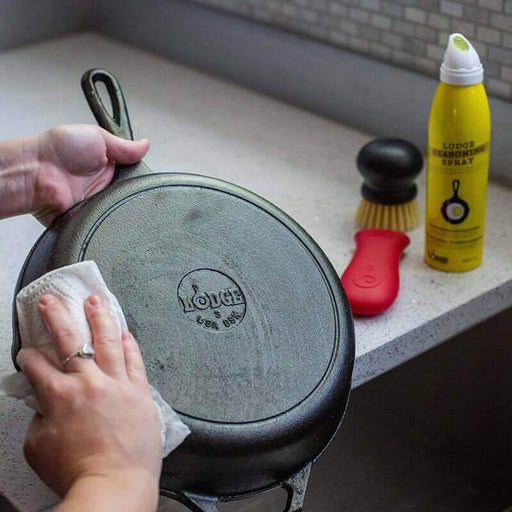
x: 370, y: 94
x: 366, y: 93
x: 28, y: 21
x: 407, y: 33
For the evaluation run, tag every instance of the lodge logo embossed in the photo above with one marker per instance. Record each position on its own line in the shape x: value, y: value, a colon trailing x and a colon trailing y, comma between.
x: 211, y: 300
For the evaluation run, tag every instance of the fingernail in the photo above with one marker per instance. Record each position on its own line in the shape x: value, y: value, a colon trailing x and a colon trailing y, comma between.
x: 20, y: 358
x: 46, y: 300
x: 95, y: 301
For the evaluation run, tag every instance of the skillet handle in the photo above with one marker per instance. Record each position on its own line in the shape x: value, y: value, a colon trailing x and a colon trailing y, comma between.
x: 295, y: 486
x: 197, y: 503
x: 119, y: 122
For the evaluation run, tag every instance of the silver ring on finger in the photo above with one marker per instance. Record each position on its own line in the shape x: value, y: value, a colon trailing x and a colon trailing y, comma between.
x: 86, y: 351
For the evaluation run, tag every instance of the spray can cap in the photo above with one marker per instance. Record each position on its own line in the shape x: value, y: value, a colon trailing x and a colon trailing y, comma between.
x: 461, y: 64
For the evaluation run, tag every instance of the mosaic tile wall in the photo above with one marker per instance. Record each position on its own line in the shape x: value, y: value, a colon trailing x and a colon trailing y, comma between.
x: 407, y: 33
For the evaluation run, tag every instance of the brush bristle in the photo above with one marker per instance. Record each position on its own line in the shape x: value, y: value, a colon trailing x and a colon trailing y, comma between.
x: 399, y: 217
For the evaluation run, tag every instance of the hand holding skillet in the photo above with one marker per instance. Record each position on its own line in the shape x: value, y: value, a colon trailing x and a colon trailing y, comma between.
x: 50, y: 172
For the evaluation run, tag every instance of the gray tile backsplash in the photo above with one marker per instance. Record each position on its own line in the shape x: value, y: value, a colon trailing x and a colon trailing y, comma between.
x: 407, y: 33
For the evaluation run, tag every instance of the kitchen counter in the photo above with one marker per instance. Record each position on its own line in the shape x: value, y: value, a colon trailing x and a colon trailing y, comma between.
x: 303, y: 163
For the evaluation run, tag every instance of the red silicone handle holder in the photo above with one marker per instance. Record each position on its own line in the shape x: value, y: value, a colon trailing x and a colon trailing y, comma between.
x: 371, y: 280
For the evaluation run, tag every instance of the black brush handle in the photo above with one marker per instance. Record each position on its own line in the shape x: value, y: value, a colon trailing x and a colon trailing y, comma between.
x: 389, y: 167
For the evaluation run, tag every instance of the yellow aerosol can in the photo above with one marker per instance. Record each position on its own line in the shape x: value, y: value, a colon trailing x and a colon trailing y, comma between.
x: 459, y: 132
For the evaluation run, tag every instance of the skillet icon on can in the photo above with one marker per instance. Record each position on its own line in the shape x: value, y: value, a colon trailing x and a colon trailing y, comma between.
x: 455, y: 210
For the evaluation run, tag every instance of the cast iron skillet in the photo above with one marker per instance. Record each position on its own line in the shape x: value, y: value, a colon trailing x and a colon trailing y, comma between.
x: 242, y: 320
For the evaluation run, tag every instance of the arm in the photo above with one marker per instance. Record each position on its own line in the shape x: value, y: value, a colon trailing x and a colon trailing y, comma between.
x: 127, y: 492
x: 95, y: 439
x: 48, y: 173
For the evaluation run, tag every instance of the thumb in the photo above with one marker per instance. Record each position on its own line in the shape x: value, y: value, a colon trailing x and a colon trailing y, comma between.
x: 124, y: 151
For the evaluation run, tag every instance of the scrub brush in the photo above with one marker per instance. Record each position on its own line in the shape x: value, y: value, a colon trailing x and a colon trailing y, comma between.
x: 389, y: 167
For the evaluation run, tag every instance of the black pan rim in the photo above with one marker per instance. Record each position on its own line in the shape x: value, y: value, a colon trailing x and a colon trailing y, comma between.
x: 188, y: 179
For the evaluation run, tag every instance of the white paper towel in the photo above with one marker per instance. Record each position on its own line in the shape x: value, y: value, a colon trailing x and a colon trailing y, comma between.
x: 73, y: 285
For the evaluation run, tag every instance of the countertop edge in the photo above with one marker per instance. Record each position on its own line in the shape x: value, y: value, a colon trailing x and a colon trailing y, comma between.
x: 431, y: 334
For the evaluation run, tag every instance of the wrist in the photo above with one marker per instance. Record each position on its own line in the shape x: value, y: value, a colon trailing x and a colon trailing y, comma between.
x: 19, y: 165
x: 125, y: 490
